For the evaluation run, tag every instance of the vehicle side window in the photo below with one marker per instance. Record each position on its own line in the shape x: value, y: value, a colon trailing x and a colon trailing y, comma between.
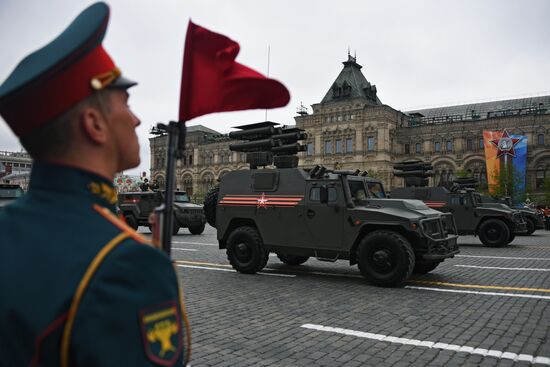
x: 455, y: 200
x: 315, y: 194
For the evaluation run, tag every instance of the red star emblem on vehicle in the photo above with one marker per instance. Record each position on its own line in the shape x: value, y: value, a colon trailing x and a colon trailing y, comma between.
x: 262, y: 201
x: 505, y: 144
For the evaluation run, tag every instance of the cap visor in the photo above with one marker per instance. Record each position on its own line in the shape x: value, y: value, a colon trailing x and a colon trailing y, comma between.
x: 122, y: 83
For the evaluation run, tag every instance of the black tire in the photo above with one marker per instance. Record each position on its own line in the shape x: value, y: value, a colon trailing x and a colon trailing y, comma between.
x: 292, y: 259
x: 246, y: 251
x: 424, y: 267
x: 385, y: 258
x: 176, y: 227
x: 531, y: 226
x: 511, y: 238
x: 196, y: 229
x: 131, y: 220
x: 494, y: 233
x: 210, y: 204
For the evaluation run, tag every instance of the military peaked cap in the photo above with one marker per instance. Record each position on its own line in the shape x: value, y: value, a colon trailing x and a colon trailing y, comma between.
x: 54, y: 78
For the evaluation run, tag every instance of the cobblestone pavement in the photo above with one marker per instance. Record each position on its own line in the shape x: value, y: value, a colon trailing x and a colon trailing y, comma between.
x: 487, y: 306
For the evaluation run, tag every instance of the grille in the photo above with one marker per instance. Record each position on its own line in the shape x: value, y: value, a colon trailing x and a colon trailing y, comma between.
x: 433, y: 228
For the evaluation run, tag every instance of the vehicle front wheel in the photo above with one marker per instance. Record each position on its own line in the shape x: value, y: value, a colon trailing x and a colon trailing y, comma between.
x: 176, y: 227
x: 385, y: 258
x: 246, y: 251
x: 131, y: 220
x: 292, y: 259
x: 494, y: 233
x: 531, y: 226
x: 424, y: 267
x: 196, y: 229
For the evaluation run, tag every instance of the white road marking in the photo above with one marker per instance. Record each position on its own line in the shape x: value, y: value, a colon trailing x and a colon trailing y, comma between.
x: 233, y: 271
x: 518, y: 295
x: 184, y: 249
x: 429, y: 344
x: 506, y: 257
x: 196, y: 243
x: 499, y: 268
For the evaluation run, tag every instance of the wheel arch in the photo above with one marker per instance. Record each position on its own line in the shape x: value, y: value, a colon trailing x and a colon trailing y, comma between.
x: 235, y: 223
x: 371, y: 227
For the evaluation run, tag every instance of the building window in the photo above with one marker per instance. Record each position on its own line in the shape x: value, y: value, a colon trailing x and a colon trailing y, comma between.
x: 338, y: 146
x: 469, y: 144
x: 418, y: 148
x: 349, y: 145
x: 328, y: 147
x: 407, y: 149
x: 340, y: 118
x: 540, y: 177
x: 328, y: 119
x: 370, y: 143
x: 352, y: 116
x: 190, y: 160
x: 481, y: 145
x: 540, y: 139
x: 449, y: 146
x: 309, y: 149
x: 437, y: 146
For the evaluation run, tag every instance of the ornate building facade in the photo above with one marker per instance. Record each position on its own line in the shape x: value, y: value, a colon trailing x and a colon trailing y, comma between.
x: 352, y: 129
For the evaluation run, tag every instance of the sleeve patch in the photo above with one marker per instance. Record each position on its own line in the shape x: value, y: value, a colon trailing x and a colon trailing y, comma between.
x: 161, y: 331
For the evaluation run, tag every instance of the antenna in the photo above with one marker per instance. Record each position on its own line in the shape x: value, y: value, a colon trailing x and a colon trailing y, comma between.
x: 302, y: 110
x: 268, y: 57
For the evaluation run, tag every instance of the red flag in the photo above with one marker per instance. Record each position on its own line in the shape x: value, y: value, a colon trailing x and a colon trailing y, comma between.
x: 212, y: 81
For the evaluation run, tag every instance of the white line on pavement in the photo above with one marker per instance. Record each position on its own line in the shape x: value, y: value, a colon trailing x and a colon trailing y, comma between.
x: 429, y: 344
x: 519, y: 295
x: 505, y: 257
x: 233, y: 271
x: 184, y: 249
x: 196, y: 243
x: 498, y: 268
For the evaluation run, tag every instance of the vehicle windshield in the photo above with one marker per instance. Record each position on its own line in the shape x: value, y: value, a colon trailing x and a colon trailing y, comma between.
x: 181, y: 197
x: 10, y: 193
x: 376, y: 189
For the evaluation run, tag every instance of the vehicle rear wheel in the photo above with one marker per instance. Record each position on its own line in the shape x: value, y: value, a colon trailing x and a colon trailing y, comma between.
x: 292, y: 259
x: 424, y: 267
x: 385, y: 258
x: 210, y: 203
x: 494, y: 233
x: 131, y: 220
x: 196, y: 229
x: 531, y: 226
x: 246, y: 251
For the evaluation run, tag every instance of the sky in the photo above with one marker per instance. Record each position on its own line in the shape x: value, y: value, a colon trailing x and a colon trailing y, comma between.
x: 419, y: 54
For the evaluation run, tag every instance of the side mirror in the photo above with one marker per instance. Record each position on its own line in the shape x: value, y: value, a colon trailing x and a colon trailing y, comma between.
x: 323, y: 196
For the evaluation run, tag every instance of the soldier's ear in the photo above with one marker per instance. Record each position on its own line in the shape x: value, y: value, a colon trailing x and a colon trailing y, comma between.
x: 93, y: 125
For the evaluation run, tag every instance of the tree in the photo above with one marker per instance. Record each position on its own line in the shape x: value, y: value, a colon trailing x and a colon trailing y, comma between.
x: 546, y: 188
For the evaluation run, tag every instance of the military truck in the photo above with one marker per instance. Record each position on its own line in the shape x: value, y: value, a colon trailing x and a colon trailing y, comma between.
x: 495, y: 224
x: 533, y: 219
x: 327, y: 214
x: 137, y: 206
x: 8, y: 193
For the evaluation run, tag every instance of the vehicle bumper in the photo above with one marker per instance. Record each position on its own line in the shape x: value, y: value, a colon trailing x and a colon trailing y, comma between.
x: 443, y: 247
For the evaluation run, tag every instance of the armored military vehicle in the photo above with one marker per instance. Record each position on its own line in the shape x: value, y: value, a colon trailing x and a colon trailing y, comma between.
x: 137, y: 206
x: 327, y: 214
x: 8, y: 193
x: 495, y: 224
x: 533, y: 219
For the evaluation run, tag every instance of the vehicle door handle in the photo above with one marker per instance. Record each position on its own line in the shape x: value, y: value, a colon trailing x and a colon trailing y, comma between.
x: 310, y: 213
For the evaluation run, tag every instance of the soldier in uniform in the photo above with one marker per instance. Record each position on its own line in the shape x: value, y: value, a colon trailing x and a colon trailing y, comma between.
x: 78, y: 287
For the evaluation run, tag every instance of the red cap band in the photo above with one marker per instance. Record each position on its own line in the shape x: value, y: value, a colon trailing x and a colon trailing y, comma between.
x: 43, y: 100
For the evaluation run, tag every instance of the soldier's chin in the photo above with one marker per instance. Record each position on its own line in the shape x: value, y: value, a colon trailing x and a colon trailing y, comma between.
x: 130, y: 163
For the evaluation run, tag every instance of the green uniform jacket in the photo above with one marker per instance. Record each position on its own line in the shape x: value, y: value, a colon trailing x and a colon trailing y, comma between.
x: 128, y: 311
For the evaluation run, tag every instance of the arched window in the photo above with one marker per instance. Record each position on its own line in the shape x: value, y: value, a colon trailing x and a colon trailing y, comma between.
x: 418, y: 148
x: 540, y: 139
x: 540, y: 175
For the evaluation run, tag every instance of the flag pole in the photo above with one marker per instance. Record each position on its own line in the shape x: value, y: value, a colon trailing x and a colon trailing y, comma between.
x: 165, y: 213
